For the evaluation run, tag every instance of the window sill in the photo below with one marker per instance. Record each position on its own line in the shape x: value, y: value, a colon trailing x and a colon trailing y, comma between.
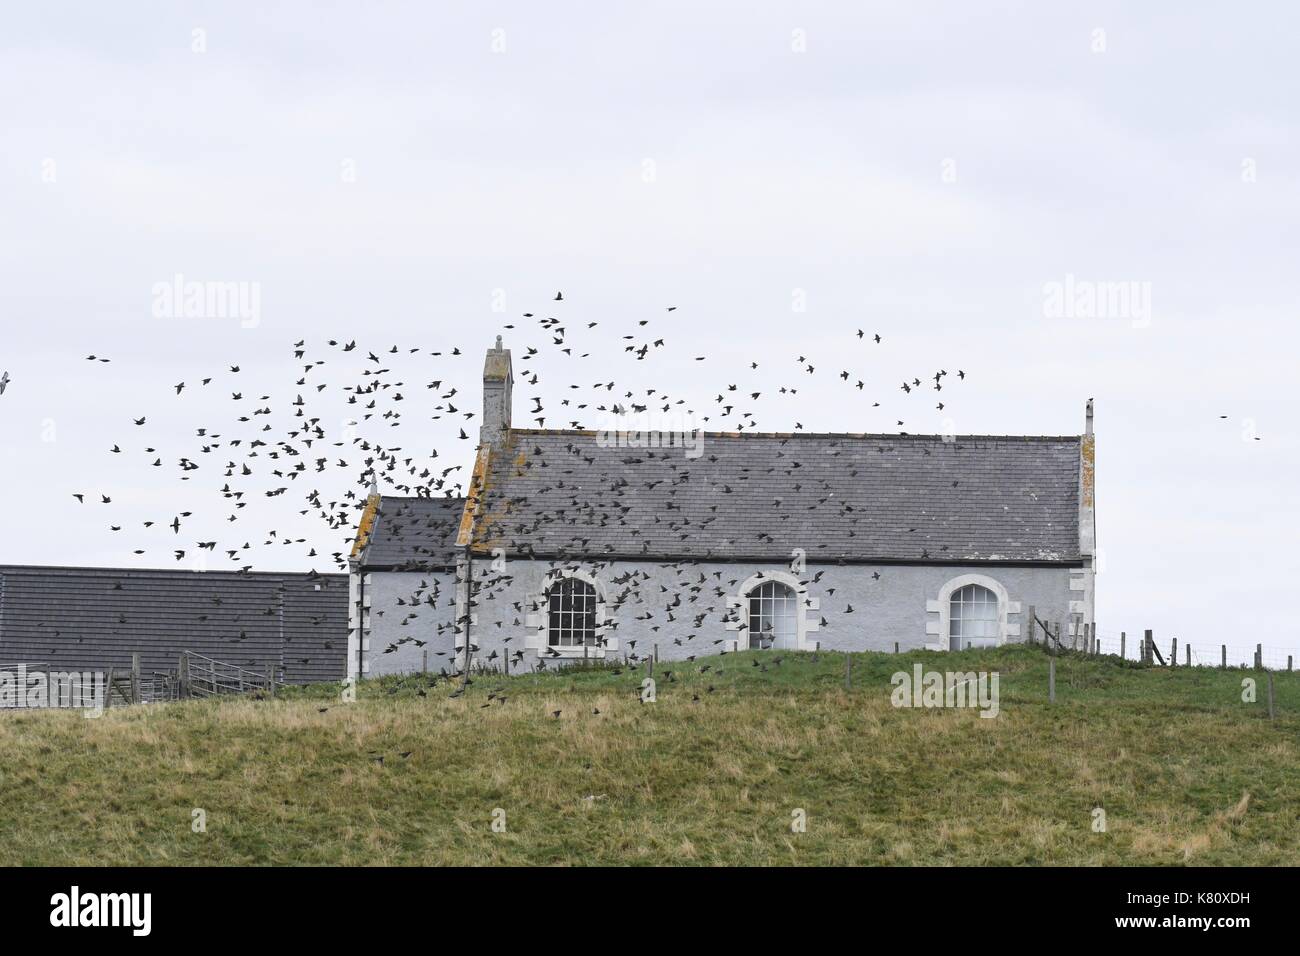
x: 557, y: 653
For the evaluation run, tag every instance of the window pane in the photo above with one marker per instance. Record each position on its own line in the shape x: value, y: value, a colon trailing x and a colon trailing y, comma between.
x: 572, y: 604
x: 974, y: 619
x: 773, y: 620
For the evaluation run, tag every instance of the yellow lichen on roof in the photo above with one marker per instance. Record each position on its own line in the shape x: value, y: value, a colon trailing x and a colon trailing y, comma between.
x: 477, y: 485
x: 366, y: 525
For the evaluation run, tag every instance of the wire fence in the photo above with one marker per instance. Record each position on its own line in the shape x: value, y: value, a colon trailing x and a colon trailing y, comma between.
x: 1143, y: 647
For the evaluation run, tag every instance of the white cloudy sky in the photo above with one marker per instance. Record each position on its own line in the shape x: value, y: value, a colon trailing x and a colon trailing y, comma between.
x: 393, y: 173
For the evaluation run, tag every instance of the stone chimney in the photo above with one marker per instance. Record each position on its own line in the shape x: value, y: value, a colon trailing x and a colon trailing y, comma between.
x: 1088, y: 487
x: 1083, y: 582
x: 497, y: 381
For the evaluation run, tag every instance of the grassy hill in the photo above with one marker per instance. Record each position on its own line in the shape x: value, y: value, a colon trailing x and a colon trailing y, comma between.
x: 1186, y: 772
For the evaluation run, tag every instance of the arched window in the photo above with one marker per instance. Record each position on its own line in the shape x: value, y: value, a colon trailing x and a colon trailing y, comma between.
x: 572, y: 606
x: 773, y: 616
x: 973, y: 618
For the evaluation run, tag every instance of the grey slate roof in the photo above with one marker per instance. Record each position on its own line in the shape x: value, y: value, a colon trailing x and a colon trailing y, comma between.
x: 416, y: 534
x: 758, y: 496
x: 94, y: 618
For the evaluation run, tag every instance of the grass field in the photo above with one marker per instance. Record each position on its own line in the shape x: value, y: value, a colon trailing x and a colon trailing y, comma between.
x: 1185, y: 771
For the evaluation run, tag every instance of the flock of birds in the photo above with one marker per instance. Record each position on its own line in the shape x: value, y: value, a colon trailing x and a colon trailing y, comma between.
x: 275, y: 444
x: 269, y: 447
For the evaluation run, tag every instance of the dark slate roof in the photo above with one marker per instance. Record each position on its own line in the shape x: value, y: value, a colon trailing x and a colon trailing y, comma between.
x: 94, y: 618
x: 758, y: 496
x: 415, y: 534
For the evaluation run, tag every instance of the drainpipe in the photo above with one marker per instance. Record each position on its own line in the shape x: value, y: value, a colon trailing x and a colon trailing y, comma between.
x: 469, y: 604
x: 361, y: 623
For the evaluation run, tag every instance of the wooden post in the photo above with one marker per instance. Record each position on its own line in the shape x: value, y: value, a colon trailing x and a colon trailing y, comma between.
x: 848, y: 672
x: 656, y: 652
x: 895, y: 647
x: 1288, y: 662
x: 424, y: 661
x: 1051, y: 680
x: 1259, y: 656
x: 505, y: 661
x: 135, y: 677
x: 1224, y: 665
x: 108, y: 694
x: 270, y: 679
x: 1123, y: 641
x: 1031, y: 636
x: 1189, y: 655
x: 1147, y: 638
x: 1173, y: 653
x: 1270, y: 695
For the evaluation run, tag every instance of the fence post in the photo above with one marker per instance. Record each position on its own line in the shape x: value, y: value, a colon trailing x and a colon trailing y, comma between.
x: 1051, y: 680
x: 1224, y: 665
x: 1270, y: 695
x: 1288, y: 662
x: 1147, y: 638
x: 895, y: 647
x: 1031, y: 618
x: 1123, y: 644
x: 135, y: 677
x: 848, y: 672
x: 424, y: 660
x: 1259, y: 656
x: 108, y: 696
x: 1189, y: 655
x: 656, y: 652
x: 1173, y: 653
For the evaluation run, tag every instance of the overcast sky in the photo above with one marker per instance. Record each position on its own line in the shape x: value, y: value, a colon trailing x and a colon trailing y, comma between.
x: 420, y: 175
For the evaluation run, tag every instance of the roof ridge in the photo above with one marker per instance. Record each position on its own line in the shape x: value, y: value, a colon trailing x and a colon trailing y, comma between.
x: 875, y: 436
x: 177, y: 571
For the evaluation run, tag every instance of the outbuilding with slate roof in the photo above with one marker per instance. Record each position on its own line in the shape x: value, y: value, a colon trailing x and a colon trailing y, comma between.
x: 95, y: 619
